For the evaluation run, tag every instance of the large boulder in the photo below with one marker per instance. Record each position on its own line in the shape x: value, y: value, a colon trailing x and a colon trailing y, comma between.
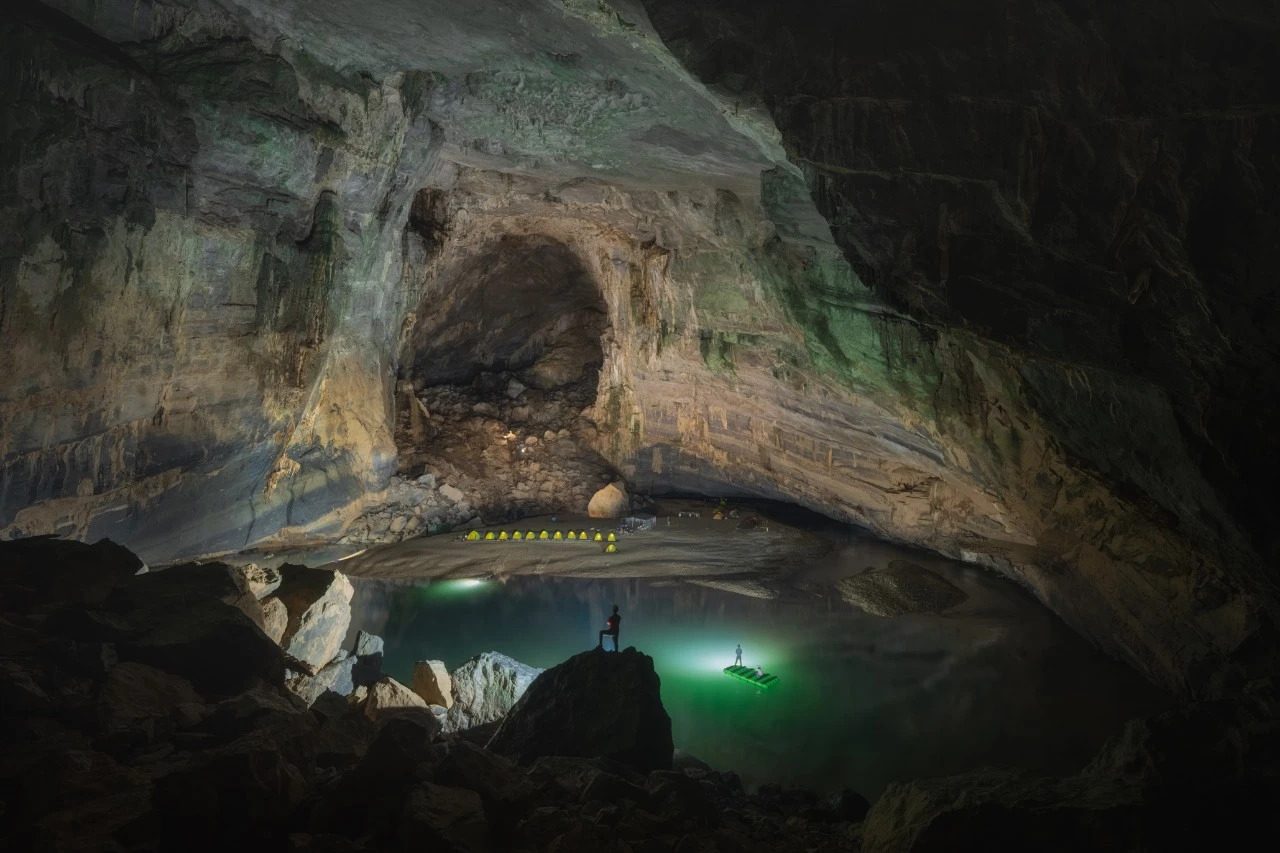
x: 134, y: 693
x: 594, y: 704
x: 485, y: 688
x: 610, y: 502
x: 335, y: 676
x: 179, y: 620
x: 431, y: 681
x: 389, y: 699
x: 899, y: 589
x: 319, y: 606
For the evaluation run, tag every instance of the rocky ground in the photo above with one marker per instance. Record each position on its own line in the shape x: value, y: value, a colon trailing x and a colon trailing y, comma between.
x: 156, y: 710
x: 152, y: 711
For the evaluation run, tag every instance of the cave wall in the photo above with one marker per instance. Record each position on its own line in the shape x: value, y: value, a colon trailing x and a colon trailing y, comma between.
x: 905, y: 270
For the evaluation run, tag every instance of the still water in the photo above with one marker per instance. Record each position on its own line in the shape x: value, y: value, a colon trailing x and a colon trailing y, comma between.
x: 862, y: 700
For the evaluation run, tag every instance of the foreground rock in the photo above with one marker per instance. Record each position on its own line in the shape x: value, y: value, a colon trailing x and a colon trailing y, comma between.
x: 595, y: 704
x: 485, y: 688
x: 900, y: 589
x: 319, y: 606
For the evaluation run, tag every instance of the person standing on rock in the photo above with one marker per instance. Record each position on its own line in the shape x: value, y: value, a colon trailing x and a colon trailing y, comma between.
x: 611, y: 629
x: 737, y: 660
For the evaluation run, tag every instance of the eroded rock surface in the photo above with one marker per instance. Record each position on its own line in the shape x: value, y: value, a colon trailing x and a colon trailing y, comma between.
x: 319, y: 606
x: 594, y: 704
x: 486, y: 687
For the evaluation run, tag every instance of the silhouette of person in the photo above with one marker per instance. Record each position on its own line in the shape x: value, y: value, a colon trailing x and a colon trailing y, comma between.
x: 737, y: 660
x: 611, y: 629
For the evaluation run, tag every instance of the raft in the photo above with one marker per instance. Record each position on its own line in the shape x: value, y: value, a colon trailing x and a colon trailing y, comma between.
x: 748, y: 674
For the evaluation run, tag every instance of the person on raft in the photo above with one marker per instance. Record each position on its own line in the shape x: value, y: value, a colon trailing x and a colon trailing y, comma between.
x: 611, y: 629
x: 759, y: 671
x: 737, y: 660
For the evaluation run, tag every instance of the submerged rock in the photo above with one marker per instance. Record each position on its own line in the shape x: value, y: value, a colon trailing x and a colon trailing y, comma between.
x: 319, y: 605
x: 596, y: 703
x: 485, y: 688
x: 900, y: 589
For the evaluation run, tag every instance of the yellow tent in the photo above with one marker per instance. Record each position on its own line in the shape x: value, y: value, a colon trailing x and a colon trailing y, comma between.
x: 599, y: 536
x: 503, y: 536
x: 571, y: 535
x: 489, y: 536
x: 613, y: 537
x: 611, y: 548
x: 558, y: 535
x: 473, y: 536
x: 531, y: 535
x: 543, y: 535
x: 517, y: 535
x: 583, y: 536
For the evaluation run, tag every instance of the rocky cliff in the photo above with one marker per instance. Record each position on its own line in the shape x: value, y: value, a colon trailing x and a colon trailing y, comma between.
x: 986, y: 283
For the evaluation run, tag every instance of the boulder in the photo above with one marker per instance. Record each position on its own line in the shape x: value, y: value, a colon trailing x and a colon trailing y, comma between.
x: 319, y: 606
x: 438, y: 817
x: 258, y: 581
x: 389, y: 699
x: 275, y: 618
x: 899, y: 589
x: 485, y: 688
x: 135, y: 692
x: 431, y: 681
x: 368, y: 653
x: 452, y: 494
x: 594, y: 704
x: 610, y: 502
x: 336, y: 676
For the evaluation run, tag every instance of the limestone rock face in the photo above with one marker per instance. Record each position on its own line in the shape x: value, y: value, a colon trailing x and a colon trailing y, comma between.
x: 319, y: 606
x: 595, y: 704
x: 972, y: 305
x: 609, y: 502
x: 899, y: 589
x: 485, y: 688
x: 432, y: 682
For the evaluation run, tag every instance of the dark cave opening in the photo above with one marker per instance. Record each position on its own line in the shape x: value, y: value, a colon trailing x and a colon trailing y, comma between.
x: 499, y: 378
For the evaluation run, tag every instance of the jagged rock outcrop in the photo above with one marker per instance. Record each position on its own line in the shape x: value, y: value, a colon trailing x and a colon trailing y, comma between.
x: 595, y: 704
x: 485, y: 688
x: 319, y: 605
x: 259, y: 581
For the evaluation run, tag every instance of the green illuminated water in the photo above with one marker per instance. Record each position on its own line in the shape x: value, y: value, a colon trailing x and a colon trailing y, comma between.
x: 862, y: 700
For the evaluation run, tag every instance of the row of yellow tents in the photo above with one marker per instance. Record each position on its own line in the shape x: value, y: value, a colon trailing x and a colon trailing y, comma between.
x: 503, y: 536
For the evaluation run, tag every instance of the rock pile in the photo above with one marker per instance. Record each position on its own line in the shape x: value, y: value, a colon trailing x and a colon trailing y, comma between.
x: 509, y: 449
x: 150, y: 712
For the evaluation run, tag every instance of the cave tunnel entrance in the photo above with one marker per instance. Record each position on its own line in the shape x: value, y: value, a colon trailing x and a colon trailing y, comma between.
x: 500, y: 367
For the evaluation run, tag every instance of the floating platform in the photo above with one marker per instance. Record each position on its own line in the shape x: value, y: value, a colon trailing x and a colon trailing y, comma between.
x: 748, y: 674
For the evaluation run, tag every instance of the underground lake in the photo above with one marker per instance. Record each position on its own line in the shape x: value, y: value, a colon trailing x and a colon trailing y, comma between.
x: 862, y: 700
